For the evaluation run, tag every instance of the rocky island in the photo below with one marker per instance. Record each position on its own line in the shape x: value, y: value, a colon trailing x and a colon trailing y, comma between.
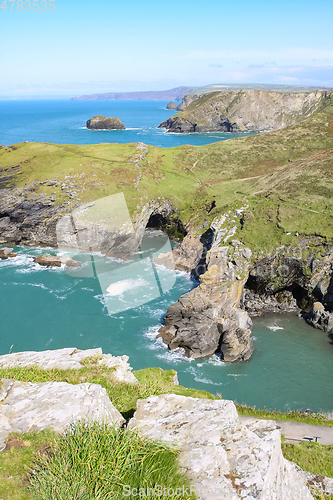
x: 100, y: 122
x: 243, y: 111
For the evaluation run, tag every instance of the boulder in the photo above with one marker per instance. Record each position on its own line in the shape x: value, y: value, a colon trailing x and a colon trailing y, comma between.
x: 100, y: 122
x: 55, y: 261
x: 71, y: 358
x: 29, y: 407
x: 6, y: 252
x: 222, y: 457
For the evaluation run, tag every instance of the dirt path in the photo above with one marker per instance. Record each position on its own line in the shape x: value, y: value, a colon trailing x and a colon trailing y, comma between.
x: 295, y: 432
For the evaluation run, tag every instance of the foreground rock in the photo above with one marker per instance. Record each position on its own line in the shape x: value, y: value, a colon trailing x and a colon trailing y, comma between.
x: 55, y: 261
x: 71, y: 358
x: 243, y: 111
x: 100, y: 122
x: 51, y: 405
x: 208, y: 319
x: 222, y: 457
x: 6, y: 252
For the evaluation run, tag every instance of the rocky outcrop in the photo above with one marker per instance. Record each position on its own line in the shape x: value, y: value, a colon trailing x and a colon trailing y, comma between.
x: 189, y: 256
x: 51, y: 405
x: 6, y: 252
x: 223, y: 458
x: 319, y: 318
x: 55, y: 261
x: 243, y: 111
x: 291, y: 279
x: 171, y: 105
x: 100, y: 122
x: 208, y: 320
x: 71, y: 358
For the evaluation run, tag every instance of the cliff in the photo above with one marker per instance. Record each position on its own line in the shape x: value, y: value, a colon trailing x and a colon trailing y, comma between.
x: 243, y: 111
x: 100, y: 122
x: 256, y: 214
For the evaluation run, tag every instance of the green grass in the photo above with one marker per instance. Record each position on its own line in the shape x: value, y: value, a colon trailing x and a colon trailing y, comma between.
x: 97, y: 462
x: 284, y: 177
x: 89, y: 462
x: 312, y: 457
x: 152, y: 381
x: 292, y: 415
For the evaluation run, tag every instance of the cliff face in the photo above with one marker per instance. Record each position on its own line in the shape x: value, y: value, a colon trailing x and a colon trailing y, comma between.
x: 243, y: 111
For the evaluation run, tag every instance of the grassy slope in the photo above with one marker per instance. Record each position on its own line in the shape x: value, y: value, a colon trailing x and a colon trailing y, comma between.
x: 284, y: 176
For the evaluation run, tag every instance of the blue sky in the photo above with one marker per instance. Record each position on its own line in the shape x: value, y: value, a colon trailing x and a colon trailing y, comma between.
x: 93, y: 46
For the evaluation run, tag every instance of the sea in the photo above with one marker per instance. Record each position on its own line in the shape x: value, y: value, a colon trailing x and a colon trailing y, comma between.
x: 42, y: 308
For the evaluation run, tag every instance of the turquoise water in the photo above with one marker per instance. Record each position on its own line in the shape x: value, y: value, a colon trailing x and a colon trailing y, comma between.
x: 48, y: 309
x: 64, y: 122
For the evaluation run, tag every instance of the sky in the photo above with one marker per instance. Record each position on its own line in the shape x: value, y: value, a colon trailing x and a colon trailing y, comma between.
x: 71, y: 47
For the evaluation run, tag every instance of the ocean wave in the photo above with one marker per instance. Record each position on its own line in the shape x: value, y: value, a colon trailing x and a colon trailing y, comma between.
x: 275, y: 327
x: 120, y: 287
x: 200, y: 377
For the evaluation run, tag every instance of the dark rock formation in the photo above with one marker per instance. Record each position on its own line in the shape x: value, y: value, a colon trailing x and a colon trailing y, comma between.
x: 171, y: 105
x: 100, y: 122
x: 319, y: 318
x: 243, y: 111
x: 208, y: 320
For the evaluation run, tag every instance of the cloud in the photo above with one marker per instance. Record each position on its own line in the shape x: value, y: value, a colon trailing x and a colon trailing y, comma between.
x: 256, y: 66
x: 216, y: 65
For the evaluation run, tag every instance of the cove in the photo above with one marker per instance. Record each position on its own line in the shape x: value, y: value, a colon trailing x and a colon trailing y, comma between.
x: 44, y: 308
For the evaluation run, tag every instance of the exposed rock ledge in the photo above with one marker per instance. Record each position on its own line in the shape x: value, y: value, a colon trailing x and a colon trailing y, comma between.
x: 223, y: 458
x: 33, y: 407
x: 71, y: 358
x: 100, y: 122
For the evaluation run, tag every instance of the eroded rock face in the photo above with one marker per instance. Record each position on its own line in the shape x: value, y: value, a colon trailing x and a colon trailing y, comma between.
x: 73, y: 359
x: 292, y: 279
x: 186, y: 256
x: 223, y: 458
x: 243, y: 111
x: 52, y: 405
x: 100, y: 122
x: 208, y: 319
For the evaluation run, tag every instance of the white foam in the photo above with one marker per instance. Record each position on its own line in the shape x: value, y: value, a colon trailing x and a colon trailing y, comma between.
x: 275, y: 327
x: 121, y: 286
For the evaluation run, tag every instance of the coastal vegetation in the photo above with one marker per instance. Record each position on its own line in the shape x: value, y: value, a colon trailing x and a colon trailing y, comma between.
x: 283, y: 178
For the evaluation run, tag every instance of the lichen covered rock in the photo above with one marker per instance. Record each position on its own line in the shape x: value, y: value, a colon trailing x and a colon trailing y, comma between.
x: 100, y: 122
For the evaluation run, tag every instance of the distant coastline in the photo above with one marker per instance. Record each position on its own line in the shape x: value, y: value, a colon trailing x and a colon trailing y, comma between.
x: 178, y: 93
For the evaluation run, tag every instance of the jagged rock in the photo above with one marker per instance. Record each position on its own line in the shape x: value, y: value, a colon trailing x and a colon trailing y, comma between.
x: 223, y: 458
x: 186, y: 256
x: 7, y: 252
x: 171, y: 105
x: 51, y: 405
x: 73, y: 359
x: 243, y: 111
x: 208, y: 319
x: 55, y: 260
x: 100, y: 122
x: 319, y: 318
x: 291, y: 279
